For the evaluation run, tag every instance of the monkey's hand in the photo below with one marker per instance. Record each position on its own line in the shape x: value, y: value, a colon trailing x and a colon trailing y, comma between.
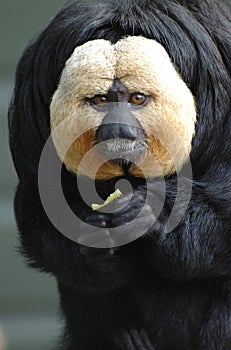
x: 132, y: 218
x: 94, y: 231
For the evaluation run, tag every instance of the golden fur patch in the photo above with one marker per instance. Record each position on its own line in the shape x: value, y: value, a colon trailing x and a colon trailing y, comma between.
x: 144, y: 66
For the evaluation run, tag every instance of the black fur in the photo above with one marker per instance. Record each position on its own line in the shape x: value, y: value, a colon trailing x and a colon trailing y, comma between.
x: 165, y: 290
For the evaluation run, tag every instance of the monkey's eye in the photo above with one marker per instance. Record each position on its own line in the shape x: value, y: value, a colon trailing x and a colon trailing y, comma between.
x: 99, y: 100
x: 137, y: 99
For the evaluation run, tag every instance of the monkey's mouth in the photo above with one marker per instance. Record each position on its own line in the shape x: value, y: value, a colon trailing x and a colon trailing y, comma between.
x: 118, y: 149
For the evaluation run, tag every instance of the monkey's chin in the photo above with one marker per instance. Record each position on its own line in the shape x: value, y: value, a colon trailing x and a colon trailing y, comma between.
x: 126, y: 166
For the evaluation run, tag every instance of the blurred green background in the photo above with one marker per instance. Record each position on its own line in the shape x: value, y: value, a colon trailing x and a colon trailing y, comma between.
x: 29, y: 312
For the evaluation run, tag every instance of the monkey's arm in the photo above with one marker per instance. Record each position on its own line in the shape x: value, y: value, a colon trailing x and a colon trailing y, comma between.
x: 199, y: 246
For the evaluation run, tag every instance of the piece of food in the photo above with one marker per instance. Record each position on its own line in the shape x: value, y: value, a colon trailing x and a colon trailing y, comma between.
x: 113, y: 196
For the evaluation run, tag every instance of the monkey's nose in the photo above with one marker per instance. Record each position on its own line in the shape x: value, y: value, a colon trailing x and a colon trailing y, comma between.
x: 118, y: 131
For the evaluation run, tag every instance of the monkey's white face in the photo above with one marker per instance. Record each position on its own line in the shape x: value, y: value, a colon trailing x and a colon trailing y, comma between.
x: 143, y: 67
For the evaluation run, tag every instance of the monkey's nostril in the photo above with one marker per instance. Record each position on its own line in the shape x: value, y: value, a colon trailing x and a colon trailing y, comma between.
x: 118, y: 131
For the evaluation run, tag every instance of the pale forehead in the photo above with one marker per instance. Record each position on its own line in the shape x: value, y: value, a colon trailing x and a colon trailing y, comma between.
x: 99, y: 58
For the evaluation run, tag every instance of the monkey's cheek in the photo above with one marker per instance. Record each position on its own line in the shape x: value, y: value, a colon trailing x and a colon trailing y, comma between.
x: 82, y: 158
x: 152, y: 167
x: 160, y: 160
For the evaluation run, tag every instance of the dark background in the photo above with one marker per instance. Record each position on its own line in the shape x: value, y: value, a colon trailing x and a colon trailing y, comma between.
x: 29, y: 316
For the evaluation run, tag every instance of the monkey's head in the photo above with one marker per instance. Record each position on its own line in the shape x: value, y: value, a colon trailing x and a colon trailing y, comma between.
x: 122, y: 108
x: 131, y: 87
